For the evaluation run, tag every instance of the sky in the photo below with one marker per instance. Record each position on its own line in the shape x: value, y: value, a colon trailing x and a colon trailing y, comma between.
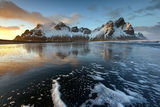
x: 18, y: 15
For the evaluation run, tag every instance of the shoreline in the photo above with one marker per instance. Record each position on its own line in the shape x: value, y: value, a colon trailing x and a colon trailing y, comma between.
x: 22, y: 42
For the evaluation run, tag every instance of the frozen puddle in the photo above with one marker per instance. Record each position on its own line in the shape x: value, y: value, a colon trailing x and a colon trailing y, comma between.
x: 84, y: 87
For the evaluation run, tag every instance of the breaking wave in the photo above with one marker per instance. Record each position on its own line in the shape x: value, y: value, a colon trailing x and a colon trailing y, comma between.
x: 56, y: 95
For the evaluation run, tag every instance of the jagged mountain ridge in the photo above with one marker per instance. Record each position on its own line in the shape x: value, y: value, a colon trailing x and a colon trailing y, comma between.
x: 112, y: 30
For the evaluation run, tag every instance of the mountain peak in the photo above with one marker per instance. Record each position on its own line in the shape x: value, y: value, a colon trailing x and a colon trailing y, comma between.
x: 61, y: 25
x: 120, y: 22
x: 38, y: 26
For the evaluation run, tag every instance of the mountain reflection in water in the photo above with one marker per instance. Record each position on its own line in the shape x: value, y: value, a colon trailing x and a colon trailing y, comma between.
x: 18, y: 58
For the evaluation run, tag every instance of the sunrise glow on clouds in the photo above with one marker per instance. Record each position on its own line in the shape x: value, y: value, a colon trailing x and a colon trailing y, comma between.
x: 18, y: 15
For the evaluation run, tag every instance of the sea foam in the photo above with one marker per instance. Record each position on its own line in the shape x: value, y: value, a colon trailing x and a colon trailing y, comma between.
x: 56, y: 96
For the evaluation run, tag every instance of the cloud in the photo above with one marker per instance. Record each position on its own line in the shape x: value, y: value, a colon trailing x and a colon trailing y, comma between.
x: 22, y: 25
x: 8, y: 10
x: 92, y: 8
x: 152, y: 32
x: 7, y: 32
x: 154, y: 0
x: 145, y: 11
x: 133, y: 16
x: 10, y: 28
x: 154, y: 5
x: 72, y: 19
x: 115, y: 13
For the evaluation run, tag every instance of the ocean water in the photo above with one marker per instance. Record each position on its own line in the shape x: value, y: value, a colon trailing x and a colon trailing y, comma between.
x: 84, y: 74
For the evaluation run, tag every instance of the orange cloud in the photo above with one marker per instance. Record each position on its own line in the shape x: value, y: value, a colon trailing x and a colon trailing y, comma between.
x: 9, y: 28
x: 9, y: 32
x: 8, y: 10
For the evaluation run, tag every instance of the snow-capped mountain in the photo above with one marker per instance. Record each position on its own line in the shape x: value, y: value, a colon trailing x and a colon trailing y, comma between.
x: 115, y: 30
x: 112, y: 30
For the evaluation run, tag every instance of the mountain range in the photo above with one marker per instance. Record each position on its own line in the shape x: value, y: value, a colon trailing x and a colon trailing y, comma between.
x: 51, y: 32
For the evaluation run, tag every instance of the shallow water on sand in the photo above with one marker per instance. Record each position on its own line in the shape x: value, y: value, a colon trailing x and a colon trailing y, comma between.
x: 80, y: 74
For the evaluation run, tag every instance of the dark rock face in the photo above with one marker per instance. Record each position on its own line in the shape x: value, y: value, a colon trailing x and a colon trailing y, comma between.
x: 38, y: 26
x: 140, y: 36
x: 110, y: 32
x: 74, y: 29
x: 109, y: 24
x: 27, y: 32
x: 39, y: 33
x: 109, y: 27
x: 120, y: 22
x: 17, y: 38
x: 85, y: 30
x: 129, y: 29
x: 60, y: 25
x: 32, y: 35
x: 131, y: 32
